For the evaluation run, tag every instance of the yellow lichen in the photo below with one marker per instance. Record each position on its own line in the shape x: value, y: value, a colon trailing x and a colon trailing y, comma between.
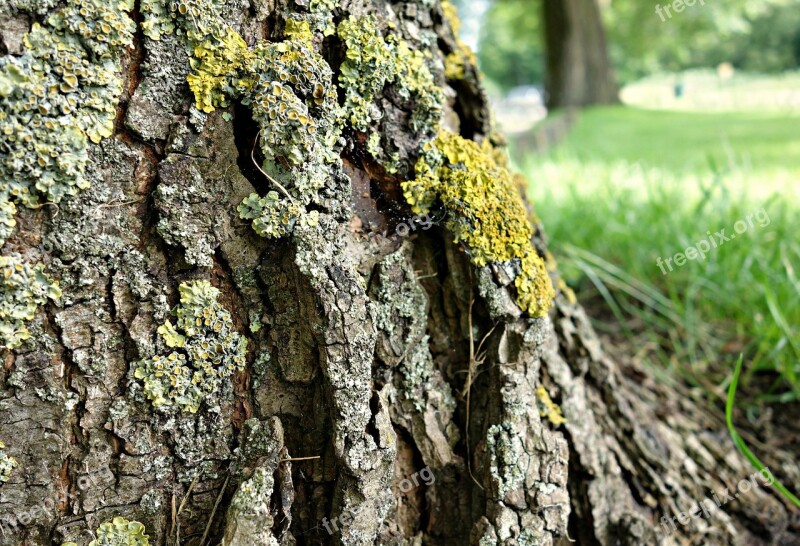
x: 372, y: 62
x: 567, y: 291
x: 450, y: 12
x: 289, y: 89
x: 118, y: 532
x: 548, y: 408
x: 485, y: 210
x: 216, y: 53
x: 457, y: 62
x: 210, y: 350
x: 213, y: 62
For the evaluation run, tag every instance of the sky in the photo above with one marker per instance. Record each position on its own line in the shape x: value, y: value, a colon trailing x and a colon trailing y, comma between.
x: 472, y: 13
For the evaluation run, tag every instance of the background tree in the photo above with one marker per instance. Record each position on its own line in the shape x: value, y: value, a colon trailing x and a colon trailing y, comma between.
x: 753, y: 36
x: 282, y: 380
x: 578, y: 70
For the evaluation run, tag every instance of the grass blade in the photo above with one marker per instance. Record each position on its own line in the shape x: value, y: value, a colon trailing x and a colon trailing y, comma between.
x: 740, y: 445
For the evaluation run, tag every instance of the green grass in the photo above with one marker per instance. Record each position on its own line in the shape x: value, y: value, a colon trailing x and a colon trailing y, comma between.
x: 705, y: 91
x: 629, y: 186
x: 684, y: 142
x: 741, y: 445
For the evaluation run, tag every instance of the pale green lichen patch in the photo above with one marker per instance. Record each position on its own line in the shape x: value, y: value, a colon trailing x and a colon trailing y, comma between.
x: 485, y: 210
x: 294, y: 101
x: 507, y: 456
x: 157, y: 19
x: 320, y: 16
x: 22, y: 288
x: 372, y: 62
x: 208, y: 350
x: 289, y: 89
x: 7, y: 464
x: 57, y: 96
x: 118, y: 532
x: 102, y: 26
x: 273, y: 216
x: 7, y: 221
x: 292, y: 98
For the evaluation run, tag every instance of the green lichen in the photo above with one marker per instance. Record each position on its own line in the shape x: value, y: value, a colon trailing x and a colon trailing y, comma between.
x: 23, y: 287
x: 157, y: 19
x: 485, y: 210
x: 372, y: 62
x: 57, y: 96
x: 7, y: 221
x: 506, y: 451
x: 102, y: 27
x: 39, y: 7
x: 289, y: 89
x: 274, y: 217
x: 293, y: 100
x: 61, y: 93
x: 7, y: 464
x: 118, y: 532
x: 320, y: 16
x: 209, y: 351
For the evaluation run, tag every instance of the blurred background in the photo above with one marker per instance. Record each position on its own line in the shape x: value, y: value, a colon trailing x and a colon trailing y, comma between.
x: 644, y: 128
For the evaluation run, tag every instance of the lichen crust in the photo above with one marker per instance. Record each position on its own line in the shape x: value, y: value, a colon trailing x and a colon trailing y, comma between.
x: 118, y: 532
x: 7, y: 464
x: 55, y: 98
x: 485, y: 210
x: 207, y: 351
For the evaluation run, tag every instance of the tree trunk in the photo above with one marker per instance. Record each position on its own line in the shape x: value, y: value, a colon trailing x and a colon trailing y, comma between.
x: 578, y: 71
x: 393, y: 392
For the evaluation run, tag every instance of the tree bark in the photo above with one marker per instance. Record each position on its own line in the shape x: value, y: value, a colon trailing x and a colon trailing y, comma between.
x: 578, y: 70
x: 354, y: 421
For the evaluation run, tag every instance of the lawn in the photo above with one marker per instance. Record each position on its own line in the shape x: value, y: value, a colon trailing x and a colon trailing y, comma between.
x: 629, y: 187
x: 686, y: 142
x: 705, y: 91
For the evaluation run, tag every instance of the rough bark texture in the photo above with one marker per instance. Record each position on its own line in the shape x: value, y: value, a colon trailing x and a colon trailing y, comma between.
x: 360, y: 349
x: 579, y: 72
